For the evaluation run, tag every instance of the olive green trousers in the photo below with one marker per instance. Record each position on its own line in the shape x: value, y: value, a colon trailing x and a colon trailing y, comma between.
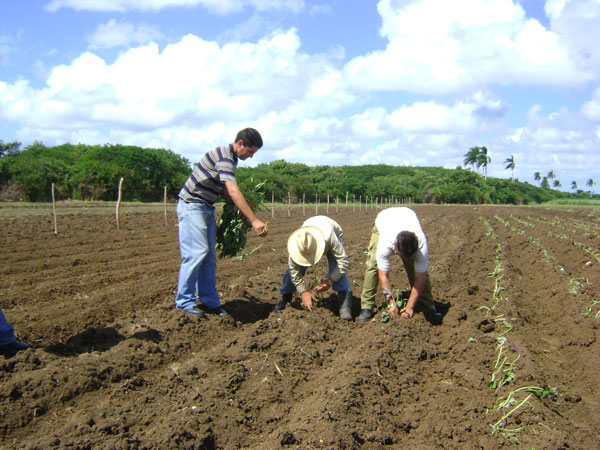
x: 371, y: 281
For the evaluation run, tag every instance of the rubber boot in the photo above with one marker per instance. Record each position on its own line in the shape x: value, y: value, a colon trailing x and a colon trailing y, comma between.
x: 285, y: 299
x: 346, y: 305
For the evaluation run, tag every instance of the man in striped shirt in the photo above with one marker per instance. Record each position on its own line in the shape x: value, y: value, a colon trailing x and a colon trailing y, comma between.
x: 214, y: 175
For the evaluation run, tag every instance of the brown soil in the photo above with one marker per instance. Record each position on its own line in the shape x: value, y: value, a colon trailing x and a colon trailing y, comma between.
x: 113, y: 365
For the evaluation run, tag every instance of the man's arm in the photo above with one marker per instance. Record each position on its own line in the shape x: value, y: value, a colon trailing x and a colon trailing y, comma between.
x: 232, y: 190
x: 415, y: 294
x: 306, y: 297
x: 384, y: 281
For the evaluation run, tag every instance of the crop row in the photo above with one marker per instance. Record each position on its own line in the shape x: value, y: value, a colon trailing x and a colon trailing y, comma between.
x: 505, y: 365
x: 575, y: 285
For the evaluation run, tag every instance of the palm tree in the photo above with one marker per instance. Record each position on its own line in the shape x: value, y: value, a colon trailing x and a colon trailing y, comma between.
x: 551, y: 175
x: 510, y: 164
x: 537, y: 177
x: 574, y: 185
x: 483, y: 159
x: 590, y: 183
x: 471, y: 157
x: 556, y: 184
x: 545, y: 183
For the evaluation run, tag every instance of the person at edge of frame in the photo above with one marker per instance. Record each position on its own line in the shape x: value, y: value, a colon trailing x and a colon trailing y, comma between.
x: 306, y: 245
x: 214, y: 175
x: 398, y: 230
x: 9, y: 344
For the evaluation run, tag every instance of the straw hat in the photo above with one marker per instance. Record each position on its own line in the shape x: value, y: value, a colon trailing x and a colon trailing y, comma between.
x: 306, y: 246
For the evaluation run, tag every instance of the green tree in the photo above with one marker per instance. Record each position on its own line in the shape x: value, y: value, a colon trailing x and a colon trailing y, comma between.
x: 10, y: 148
x: 510, y: 164
x: 483, y: 160
x: 590, y: 183
x: 545, y: 183
x: 574, y: 185
x: 537, y: 177
x: 471, y: 157
x: 551, y: 175
x: 556, y: 184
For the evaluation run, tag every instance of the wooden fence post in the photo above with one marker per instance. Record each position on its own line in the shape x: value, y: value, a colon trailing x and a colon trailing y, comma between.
x: 119, y: 201
x: 327, y: 203
x: 289, y: 202
x: 337, y: 203
x: 165, y: 203
x: 303, y: 203
x: 353, y: 202
x: 54, y: 209
x: 317, y: 205
x: 272, y: 204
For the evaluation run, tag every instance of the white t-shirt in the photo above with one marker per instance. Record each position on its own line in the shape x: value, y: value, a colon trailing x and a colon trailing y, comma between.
x: 389, y: 223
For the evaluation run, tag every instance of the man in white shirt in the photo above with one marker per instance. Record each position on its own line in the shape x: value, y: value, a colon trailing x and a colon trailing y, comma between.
x: 398, y: 230
x: 317, y: 236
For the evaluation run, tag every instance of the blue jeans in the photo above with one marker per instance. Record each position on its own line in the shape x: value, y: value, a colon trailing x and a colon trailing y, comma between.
x: 198, y: 271
x: 7, y: 333
x: 341, y: 285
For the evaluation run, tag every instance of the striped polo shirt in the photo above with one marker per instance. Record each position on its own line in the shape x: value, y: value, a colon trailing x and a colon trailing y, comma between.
x: 209, y: 176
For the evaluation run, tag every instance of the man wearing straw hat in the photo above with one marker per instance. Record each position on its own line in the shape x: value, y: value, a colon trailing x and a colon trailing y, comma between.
x: 398, y: 230
x: 317, y: 236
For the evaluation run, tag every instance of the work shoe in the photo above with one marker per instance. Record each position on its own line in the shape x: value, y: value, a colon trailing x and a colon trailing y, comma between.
x: 285, y: 299
x: 346, y: 307
x: 218, y: 311
x: 365, y: 314
x: 194, y: 313
x: 11, y: 349
x: 433, y: 316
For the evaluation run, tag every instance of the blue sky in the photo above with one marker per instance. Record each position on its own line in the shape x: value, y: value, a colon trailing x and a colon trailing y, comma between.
x: 325, y: 82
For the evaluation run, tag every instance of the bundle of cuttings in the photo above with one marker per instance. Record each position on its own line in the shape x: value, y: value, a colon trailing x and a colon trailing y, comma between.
x: 233, y: 227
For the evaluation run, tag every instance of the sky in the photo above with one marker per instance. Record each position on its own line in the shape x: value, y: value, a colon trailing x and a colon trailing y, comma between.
x: 335, y: 82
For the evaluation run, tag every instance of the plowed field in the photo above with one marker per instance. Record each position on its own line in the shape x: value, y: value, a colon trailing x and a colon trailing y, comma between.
x: 113, y: 365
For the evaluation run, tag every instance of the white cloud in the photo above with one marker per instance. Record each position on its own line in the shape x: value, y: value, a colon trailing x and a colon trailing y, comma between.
x: 591, y: 109
x: 558, y: 140
x: 217, y: 6
x: 439, y: 47
x: 576, y: 22
x: 192, y: 88
x: 121, y: 34
x: 9, y: 46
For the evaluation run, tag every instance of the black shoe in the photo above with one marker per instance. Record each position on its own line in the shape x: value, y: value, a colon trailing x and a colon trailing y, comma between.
x: 219, y: 312
x: 365, y: 314
x: 11, y: 349
x: 285, y: 299
x: 433, y: 316
x: 346, y: 308
x: 194, y: 313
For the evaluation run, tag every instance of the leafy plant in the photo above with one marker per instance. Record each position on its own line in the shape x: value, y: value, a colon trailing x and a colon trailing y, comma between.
x: 233, y: 226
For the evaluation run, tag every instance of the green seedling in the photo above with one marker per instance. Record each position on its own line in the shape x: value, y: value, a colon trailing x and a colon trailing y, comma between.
x: 590, y: 309
x: 498, y: 426
x: 504, y: 374
x: 539, y: 392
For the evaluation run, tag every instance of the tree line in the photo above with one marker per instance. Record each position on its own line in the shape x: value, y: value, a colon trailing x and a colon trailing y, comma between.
x: 89, y: 172
x: 92, y: 172
x: 480, y: 158
x: 415, y: 184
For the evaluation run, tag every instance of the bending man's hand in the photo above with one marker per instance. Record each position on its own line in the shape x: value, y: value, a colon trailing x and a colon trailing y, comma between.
x: 323, y: 285
x: 307, y: 299
x: 408, y: 313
